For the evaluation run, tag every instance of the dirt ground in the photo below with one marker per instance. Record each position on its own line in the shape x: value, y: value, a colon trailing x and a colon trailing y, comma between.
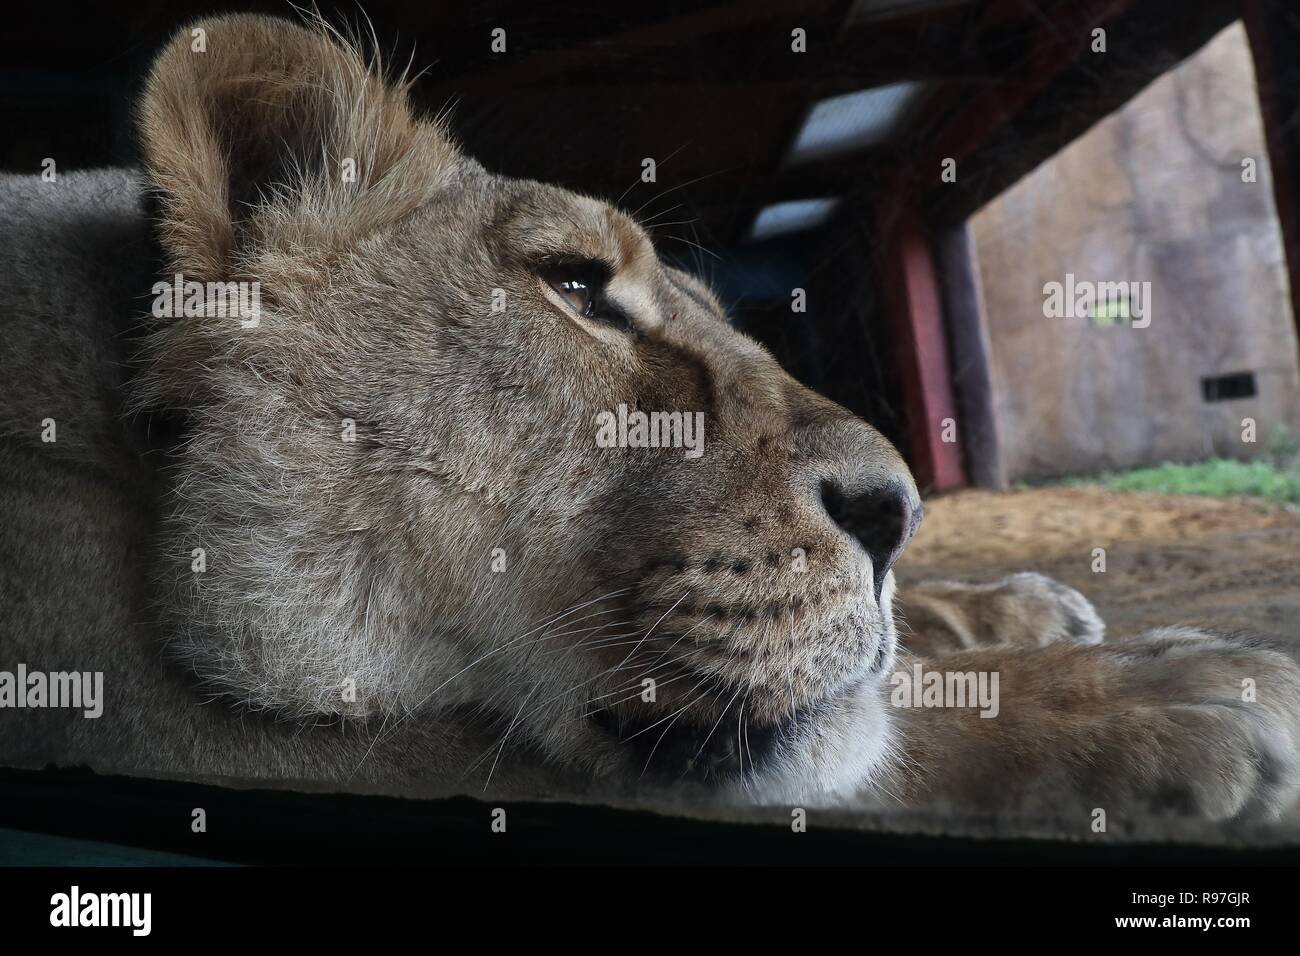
x: 1170, y: 559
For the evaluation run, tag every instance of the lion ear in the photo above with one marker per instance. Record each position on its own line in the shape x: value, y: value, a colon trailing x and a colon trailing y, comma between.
x: 251, y: 124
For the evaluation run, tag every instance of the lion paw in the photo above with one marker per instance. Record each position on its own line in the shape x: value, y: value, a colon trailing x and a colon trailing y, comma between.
x: 1024, y: 610
x: 1221, y: 737
x: 1049, y: 610
x: 1174, y: 721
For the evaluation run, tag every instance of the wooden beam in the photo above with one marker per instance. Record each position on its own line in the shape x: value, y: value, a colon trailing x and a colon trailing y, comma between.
x: 717, y: 47
x: 1026, y: 120
x: 1053, y: 49
x: 619, y: 51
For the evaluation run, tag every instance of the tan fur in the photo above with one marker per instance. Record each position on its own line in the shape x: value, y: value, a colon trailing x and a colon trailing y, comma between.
x: 1156, y: 724
x: 335, y: 565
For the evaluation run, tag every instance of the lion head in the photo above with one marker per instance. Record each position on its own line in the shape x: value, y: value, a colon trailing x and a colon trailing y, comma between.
x: 480, y: 446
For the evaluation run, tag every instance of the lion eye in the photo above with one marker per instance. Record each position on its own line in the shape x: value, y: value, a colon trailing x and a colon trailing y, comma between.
x: 580, y: 294
x: 581, y: 284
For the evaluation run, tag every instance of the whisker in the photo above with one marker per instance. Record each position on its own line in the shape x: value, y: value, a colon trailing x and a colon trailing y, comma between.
x: 717, y: 723
x: 499, y: 649
x: 506, y: 736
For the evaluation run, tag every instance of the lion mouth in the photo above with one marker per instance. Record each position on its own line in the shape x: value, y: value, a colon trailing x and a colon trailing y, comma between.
x: 711, y: 749
x: 731, y: 712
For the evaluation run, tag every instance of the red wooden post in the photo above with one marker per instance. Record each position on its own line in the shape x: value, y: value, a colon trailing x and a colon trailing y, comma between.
x: 915, y: 305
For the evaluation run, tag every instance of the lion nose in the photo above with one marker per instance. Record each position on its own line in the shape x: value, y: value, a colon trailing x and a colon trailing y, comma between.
x: 883, y: 519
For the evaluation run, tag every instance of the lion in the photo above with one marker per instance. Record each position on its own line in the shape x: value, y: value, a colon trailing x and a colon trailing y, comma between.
x: 355, y: 528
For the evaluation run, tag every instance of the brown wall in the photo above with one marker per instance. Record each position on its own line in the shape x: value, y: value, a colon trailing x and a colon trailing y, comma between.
x: 1152, y: 193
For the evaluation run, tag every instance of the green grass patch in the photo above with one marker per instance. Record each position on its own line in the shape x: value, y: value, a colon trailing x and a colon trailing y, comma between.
x: 1219, y: 478
x: 1274, y: 476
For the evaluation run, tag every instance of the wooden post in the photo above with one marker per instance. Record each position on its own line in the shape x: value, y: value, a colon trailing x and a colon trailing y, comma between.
x: 969, y: 350
x: 915, y: 305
